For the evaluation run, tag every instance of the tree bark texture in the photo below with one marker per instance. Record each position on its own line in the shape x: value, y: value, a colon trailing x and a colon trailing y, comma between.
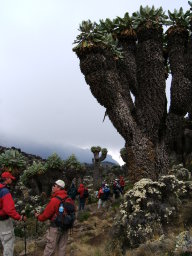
x: 149, y: 131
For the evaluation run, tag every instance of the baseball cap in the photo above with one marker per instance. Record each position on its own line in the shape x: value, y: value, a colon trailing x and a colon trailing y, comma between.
x: 5, y: 175
x: 60, y: 183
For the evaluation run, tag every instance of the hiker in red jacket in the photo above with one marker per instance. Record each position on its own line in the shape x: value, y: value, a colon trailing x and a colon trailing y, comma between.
x: 122, y: 183
x: 101, y: 196
x: 82, y: 199
x: 55, y: 237
x: 7, y: 213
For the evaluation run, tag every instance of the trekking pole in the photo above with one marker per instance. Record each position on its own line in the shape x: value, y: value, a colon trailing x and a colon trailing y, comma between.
x: 25, y: 239
x: 36, y: 234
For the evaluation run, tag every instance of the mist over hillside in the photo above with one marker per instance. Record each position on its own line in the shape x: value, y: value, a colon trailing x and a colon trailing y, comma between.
x: 44, y: 151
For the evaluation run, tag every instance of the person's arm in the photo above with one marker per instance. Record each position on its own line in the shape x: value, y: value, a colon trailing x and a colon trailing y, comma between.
x: 49, y: 211
x: 8, y: 205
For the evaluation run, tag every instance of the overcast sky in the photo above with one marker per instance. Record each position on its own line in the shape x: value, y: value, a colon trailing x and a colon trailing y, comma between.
x: 44, y: 98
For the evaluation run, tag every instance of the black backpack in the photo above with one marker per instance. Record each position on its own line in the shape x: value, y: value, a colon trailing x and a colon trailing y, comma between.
x: 65, y: 220
x: 86, y: 193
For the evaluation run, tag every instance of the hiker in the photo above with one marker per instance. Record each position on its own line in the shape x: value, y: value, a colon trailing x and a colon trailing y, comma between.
x: 7, y: 213
x: 122, y: 183
x: 107, y: 192
x: 116, y: 189
x: 56, y: 238
x: 82, y: 199
x: 72, y: 191
x: 103, y: 195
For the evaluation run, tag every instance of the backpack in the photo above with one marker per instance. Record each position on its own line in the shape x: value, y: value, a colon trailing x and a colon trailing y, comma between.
x: 65, y: 220
x: 102, y: 195
x: 86, y: 193
x: 105, y: 195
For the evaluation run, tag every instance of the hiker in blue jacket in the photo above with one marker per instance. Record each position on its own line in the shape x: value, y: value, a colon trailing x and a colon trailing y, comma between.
x: 103, y: 195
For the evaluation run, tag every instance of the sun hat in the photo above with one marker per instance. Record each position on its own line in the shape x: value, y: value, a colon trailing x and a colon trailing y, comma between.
x: 6, y: 175
x: 60, y: 183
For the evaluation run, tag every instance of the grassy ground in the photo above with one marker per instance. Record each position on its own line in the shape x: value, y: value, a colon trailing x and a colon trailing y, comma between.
x: 89, y: 236
x: 92, y: 233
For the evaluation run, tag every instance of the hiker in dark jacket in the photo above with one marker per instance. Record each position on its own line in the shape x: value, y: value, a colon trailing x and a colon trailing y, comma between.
x: 116, y: 189
x: 72, y: 192
x: 82, y: 199
x: 55, y: 237
x: 7, y: 213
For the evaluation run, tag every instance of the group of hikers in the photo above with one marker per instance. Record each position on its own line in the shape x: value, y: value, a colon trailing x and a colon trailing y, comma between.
x: 60, y: 211
x: 104, y: 192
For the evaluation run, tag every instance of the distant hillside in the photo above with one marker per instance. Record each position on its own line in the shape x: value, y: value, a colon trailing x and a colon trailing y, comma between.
x: 83, y: 155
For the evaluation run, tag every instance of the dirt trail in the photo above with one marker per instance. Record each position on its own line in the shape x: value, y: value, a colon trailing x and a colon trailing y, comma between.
x: 88, y: 237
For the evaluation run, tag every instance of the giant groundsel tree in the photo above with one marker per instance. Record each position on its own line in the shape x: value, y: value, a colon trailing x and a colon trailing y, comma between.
x: 133, y: 55
x: 99, y: 156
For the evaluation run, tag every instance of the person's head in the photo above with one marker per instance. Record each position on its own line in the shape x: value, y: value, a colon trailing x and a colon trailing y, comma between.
x: 7, y: 178
x: 59, y: 185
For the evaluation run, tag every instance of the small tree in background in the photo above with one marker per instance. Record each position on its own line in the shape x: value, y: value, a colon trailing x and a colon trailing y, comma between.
x: 31, y: 177
x: 73, y: 169
x: 54, y: 162
x: 98, y: 158
x: 12, y: 160
x: 41, y: 175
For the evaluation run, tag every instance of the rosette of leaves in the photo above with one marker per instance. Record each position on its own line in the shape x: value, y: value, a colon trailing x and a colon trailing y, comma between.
x: 54, y: 162
x: 95, y: 35
x: 96, y: 149
x: 123, y: 27
x: 105, y: 27
x: 86, y: 37
x: 149, y: 17
x: 179, y: 18
x: 104, y: 151
x: 13, y: 161
x: 37, y: 168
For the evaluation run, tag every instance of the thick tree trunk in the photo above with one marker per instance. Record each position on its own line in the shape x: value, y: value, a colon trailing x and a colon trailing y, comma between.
x: 181, y: 90
x: 188, y: 69
x: 97, y: 176
x: 97, y: 173
x: 151, y: 99
x: 181, y: 87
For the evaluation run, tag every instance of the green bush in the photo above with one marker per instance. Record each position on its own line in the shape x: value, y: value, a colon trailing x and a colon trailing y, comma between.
x: 83, y: 216
x: 37, y: 168
x: 19, y: 231
x: 12, y: 160
x: 92, y: 199
x: 54, y: 162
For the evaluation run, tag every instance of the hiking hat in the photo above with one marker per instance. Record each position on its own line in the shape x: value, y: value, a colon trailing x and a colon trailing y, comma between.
x: 60, y: 183
x: 6, y: 175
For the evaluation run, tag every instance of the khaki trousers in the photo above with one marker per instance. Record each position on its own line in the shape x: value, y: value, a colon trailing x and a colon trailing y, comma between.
x: 56, y: 240
x: 7, y: 236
